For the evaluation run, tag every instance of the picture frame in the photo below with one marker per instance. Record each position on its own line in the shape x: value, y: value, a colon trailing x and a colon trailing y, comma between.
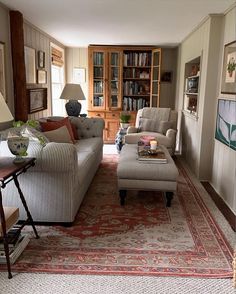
x: 166, y: 77
x: 37, y: 99
x: 228, y: 82
x: 79, y: 75
x: 30, y: 67
x: 41, y: 76
x: 226, y: 123
x: 41, y: 59
x: 2, y: 71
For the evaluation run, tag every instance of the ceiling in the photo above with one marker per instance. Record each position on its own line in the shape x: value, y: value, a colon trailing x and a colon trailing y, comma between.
x: 77, y: 23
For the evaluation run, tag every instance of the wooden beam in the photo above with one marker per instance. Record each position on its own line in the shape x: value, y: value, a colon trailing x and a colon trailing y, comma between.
x: 18, y: 65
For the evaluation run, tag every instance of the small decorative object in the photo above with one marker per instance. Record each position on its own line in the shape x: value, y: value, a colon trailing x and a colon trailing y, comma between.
x: 228, y: 85
x: 145, y: 140
x: 41, y: 76
x: 73, y: 93
x: 124, y: 119
x: 41, y: 59
x: 153, y: 145
x: 78, y: 75
x: 30, y: 68
x: 37, y: 99
x: 166, y: 77
x: 18, y: 146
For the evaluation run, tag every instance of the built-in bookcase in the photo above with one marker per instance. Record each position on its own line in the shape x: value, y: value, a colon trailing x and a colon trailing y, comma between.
x: 122, y: 78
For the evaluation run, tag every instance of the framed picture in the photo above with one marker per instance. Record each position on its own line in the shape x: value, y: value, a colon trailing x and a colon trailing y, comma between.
x: 228, y: 84
x: 226, y: 122
x: 78, y: 75
x: 41, y: 76
x: 166, y: 77
x: 37, y: 99
x: 41, y: 59
x: 2, y: 71
x: 30, y: 69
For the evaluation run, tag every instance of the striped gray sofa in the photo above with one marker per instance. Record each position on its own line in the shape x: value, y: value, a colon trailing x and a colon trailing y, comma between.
x: 55, y: 187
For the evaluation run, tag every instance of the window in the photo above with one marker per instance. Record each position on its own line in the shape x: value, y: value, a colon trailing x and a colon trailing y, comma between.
x: 57, y: 81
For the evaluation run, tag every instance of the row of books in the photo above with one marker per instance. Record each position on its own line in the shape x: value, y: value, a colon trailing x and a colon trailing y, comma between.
x: 136, y: 88
x: 98, y: 58
x: 137, y: 59
x: 98, y: 72
x: 136, y: 73
x: 132, y: 104
x: 16, y: 244
x: 98, y: 101
x: 98, y: 87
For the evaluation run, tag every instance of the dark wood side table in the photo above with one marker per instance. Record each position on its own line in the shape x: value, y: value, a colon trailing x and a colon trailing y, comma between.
x: 10, y: 171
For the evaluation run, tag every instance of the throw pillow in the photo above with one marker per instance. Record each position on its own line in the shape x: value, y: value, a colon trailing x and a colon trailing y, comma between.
x: 53, y: 125
x: 149, y: 125
x: 165, y: 125
x: 59, y: 135
x: 73, y: 127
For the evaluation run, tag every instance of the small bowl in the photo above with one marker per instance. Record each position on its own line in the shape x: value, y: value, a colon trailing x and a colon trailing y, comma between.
x: 18, y: 147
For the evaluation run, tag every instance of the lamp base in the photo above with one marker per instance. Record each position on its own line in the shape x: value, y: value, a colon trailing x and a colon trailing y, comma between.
x: 73, y: 108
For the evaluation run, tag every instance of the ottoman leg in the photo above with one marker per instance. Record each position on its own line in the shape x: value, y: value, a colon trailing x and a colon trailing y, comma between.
x: 122, y: 197
x: 169, y: 197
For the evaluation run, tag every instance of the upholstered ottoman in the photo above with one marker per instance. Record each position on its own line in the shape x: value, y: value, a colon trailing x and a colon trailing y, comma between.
x: 135, y: 175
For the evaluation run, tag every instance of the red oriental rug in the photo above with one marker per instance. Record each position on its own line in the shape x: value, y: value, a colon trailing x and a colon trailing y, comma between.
x: 142, y: 238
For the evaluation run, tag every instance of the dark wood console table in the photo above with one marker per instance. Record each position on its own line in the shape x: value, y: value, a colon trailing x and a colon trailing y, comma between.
x: 10, y: 171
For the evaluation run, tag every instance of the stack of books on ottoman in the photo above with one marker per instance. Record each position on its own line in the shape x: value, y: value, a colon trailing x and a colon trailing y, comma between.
x: 145, y: 154
x: 16, y: 240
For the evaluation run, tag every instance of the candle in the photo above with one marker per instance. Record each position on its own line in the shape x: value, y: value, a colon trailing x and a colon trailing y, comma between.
x: 153, y: 145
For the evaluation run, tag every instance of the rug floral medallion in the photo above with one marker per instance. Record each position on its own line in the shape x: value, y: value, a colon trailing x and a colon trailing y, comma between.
x: 142, y: 238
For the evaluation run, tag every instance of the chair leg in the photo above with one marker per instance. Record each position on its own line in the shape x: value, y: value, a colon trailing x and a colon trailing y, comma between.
x: 122, y: 197
x: 169, y: 197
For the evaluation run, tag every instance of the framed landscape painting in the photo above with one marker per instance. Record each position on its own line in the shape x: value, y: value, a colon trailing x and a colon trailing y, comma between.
x: 226, y: 123
x: 228, y: 85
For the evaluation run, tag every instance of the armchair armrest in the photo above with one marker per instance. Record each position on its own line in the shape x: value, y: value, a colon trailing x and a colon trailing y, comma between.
x: 132, y: 129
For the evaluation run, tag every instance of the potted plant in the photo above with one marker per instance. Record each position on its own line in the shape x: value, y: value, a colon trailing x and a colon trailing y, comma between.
x: 124, y: 119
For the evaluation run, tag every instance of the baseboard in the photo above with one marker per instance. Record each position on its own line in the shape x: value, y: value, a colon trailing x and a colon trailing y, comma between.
x: 222, y: 206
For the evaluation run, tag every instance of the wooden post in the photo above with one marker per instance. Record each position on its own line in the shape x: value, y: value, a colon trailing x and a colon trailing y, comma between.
x: 18, y: 65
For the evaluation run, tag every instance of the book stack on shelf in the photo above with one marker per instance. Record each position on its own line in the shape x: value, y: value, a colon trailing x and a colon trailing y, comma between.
x: 15, y: 239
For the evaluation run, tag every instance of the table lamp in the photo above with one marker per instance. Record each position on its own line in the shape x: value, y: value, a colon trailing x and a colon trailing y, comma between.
x: 73, y: 93
x: 5, y: 114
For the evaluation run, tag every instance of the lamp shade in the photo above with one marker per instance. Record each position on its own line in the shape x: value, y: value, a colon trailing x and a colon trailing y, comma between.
x: 5, y: 114
x: 72, y: 92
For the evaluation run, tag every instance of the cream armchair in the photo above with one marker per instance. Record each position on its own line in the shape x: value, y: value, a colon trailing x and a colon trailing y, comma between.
x: 155, y: 121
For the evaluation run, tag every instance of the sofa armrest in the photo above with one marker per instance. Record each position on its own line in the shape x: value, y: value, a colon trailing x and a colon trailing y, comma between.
x: 132, y: 129
x: 57, y: 157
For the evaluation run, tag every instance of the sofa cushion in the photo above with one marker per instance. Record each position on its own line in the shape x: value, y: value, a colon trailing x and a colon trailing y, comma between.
x: 165, y: 125
x: 89, y: 145
x: 53, y: 125
x: 147, y: 124
x: 60, y: 135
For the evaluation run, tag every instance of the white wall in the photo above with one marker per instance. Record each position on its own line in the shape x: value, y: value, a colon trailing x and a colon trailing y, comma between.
x: 208, y: 158
x: 78, y: 58
x: 224, y: 158
x: 35, y: 38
